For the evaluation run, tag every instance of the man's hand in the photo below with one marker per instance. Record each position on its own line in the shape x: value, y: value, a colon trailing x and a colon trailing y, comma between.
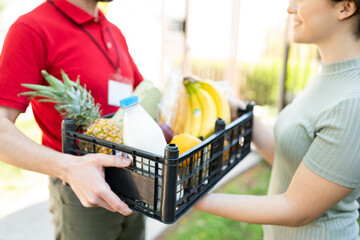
x: 86, y: 177
x: 85, y: 174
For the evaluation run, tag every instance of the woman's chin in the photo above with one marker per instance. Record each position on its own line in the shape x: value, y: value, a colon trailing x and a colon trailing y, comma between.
x: 298, y: 39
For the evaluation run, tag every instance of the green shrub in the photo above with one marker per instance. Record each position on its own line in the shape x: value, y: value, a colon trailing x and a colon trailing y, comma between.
x: 260, y: 81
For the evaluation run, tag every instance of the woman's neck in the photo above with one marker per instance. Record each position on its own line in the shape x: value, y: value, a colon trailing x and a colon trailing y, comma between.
x: 341, y: 44
x: 89, y: 6
x: 343, y: 49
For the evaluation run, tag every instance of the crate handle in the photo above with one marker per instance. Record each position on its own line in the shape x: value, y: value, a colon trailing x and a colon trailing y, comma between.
x: 218, y: 146
x: 168, y: 202
x: 67, y: 125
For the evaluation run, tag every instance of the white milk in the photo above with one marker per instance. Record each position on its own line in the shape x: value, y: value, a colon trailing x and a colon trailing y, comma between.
x: 142, y: 132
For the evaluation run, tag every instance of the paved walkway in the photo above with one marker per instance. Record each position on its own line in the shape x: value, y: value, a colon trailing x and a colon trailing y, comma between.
x: 29, y: 218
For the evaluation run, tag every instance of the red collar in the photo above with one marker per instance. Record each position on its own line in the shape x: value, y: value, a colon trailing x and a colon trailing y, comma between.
x: 76, y: 13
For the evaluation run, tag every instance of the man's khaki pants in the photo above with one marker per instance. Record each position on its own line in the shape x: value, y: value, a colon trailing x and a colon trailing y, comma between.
x: 72, y: 221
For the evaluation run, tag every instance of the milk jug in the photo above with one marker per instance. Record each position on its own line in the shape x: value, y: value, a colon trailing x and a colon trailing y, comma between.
x: 142, y: 132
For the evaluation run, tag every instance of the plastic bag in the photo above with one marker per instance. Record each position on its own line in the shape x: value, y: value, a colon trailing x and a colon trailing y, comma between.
x: 173, y: 104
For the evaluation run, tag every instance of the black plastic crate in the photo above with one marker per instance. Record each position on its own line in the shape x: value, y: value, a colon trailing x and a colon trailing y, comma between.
x: 164, y: 187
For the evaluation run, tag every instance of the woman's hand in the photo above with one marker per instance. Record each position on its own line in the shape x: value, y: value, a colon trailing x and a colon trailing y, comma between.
x: 262, y: 135
x: 235, y: 103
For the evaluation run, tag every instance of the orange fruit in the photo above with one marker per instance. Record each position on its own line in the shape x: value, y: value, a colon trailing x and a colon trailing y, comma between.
x: 185, y: 141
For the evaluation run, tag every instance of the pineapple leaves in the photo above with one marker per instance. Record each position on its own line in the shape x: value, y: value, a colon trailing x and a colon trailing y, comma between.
x: 66, y: 79
x: 71, y: 99
x: 42, y: 93
x: 35, y: 87
x: 53, y: 81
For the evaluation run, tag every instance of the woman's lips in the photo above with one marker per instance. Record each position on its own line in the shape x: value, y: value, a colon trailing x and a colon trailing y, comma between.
x: 296, y: 23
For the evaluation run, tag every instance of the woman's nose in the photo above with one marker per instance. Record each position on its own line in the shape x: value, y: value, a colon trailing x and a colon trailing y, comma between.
x: 292, y: 8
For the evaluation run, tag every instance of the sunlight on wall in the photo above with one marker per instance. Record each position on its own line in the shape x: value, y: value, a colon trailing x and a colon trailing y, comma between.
x: 209, y: 28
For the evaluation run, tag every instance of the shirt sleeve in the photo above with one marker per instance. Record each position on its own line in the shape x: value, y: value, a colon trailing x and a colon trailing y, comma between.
x: 335, y: 151
x: 21, y: 61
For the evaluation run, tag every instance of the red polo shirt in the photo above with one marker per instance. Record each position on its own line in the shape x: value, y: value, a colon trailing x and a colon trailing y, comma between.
x: 47, y: 39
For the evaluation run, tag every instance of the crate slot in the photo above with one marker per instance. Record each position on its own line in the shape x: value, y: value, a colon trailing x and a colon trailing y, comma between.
x: 130, y: 184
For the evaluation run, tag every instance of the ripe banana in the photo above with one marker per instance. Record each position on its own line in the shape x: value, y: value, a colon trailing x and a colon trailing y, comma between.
x: 188, y: 114
x: 195, y: 111
x: 222, y: 104
x: 208, y: 111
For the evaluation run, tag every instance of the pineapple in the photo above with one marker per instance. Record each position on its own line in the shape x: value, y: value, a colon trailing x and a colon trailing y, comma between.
x: 75, y: 102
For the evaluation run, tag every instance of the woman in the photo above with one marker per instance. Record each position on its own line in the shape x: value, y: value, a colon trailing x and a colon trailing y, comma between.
x: 315, y: 146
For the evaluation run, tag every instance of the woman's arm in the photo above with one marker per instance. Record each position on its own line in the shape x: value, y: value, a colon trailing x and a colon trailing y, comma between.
x: 84, y: 174
x: 306, y: 199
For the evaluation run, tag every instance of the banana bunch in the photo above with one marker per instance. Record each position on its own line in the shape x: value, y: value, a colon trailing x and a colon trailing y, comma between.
x: 205, y: 103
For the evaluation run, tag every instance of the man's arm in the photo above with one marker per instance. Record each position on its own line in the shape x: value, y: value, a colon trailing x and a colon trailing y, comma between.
x: 85, y: 174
